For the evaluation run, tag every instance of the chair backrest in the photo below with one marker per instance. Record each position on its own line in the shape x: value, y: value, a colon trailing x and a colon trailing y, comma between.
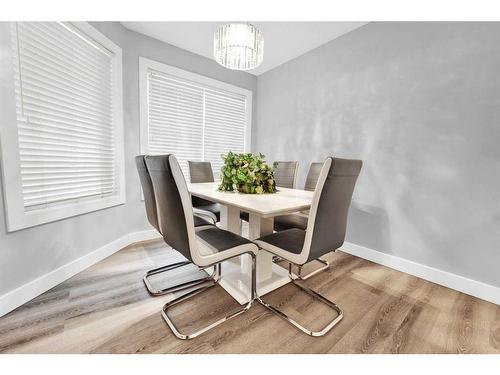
x: 327, y: 222
x: 173, y: 202
x: 147, y: 189
x: 200, y: 171
x: 312, y: 176
x: 285, y: 173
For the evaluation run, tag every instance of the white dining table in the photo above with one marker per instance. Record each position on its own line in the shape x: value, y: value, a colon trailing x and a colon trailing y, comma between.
x: 262, y: 209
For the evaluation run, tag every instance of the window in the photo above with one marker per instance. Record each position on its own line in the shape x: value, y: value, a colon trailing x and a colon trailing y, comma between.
x: 65, y: 156
x: 191, y: 116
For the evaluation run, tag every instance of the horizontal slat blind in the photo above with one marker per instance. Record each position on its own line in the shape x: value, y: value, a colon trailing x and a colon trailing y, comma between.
x: 193, y: 121
x: 175, y: 118
x: 64, y: 88
x: 225, y: 121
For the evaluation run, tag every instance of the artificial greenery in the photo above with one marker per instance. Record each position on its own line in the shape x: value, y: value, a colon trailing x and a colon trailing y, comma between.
x: 247, y: 173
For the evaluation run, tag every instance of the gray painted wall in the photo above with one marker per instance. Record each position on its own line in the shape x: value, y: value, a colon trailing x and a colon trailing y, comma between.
x: 420, y: 104
x: 33, y: 252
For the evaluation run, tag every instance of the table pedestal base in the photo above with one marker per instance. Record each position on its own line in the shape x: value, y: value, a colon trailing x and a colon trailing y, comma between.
x: 237, y: 283
x: 236, y: 272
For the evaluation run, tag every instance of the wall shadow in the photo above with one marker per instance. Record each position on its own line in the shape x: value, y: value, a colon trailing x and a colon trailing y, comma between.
x: 368, y: 226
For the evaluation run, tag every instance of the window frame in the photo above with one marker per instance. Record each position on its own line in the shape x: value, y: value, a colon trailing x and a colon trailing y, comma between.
x: 147, y: 64
x: 16, y: 216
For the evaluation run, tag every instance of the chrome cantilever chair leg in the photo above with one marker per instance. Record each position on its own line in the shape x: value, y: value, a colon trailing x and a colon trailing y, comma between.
x: 311, y: 274
x: 202, y: 289
x: 316, y: 295
x: 175, y: 288
x: 299, y: 276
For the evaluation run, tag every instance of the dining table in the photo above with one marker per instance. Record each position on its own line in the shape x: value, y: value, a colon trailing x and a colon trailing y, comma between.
x: 262, y: 209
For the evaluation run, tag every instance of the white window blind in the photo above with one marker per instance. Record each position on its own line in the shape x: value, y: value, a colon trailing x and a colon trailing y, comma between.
x: 175, y: 110
x: 191, y: 116
x: 225, y: 122
x: 64, y: 98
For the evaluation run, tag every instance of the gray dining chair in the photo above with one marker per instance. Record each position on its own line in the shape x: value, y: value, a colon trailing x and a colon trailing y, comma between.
x: 299, y: 219
x: 152, y: 216
x: 205, y: 246
x: 201, y: 171
x: 313, y: 176
x: 285, y: 175
x: 325, y: 231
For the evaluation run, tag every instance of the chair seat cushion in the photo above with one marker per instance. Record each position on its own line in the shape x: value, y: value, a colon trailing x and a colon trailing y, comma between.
x: 212, y: 207
x: 220, y: 239
x: 290, y: 221
x: 199, y: 221
x: 291, y: 240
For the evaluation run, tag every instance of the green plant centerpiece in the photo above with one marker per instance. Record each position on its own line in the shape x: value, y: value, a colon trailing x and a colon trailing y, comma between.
x: 246, y: 173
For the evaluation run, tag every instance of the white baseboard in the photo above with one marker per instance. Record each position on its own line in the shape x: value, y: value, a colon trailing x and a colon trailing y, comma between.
x: 462, y: 284
x: 144, y: 235
x: 30, y: 290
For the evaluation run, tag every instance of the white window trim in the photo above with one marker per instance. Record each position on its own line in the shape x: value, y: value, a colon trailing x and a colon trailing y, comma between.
x: 146, y: 64
x: 16, y: 216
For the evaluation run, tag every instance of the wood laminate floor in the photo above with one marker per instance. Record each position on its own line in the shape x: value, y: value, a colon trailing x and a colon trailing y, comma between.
x: 106, y: 309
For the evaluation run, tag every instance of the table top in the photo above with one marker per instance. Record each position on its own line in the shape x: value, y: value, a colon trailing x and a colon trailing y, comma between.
x: 266, y: 205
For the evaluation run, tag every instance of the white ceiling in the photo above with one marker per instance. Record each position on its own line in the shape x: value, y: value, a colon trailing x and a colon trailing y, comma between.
x: 283, y: 41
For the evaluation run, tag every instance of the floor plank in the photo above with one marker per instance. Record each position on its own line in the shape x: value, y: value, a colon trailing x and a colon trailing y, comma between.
x: 106, y: 309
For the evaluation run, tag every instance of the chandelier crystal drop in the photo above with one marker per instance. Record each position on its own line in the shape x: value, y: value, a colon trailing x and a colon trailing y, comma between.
x: 238, y: 46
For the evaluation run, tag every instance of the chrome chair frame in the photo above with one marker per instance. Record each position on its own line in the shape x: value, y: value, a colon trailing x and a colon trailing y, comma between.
x: 311, y: 274
x: 314, y: 294
x: 175, y: 288
x: 192, y: 293
x: 298, y: 275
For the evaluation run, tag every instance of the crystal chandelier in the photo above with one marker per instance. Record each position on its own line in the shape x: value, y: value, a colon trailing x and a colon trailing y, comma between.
x: 238, y: 46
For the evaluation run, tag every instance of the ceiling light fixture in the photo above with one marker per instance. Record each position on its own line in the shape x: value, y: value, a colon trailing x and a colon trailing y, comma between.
x: 238, y: 46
